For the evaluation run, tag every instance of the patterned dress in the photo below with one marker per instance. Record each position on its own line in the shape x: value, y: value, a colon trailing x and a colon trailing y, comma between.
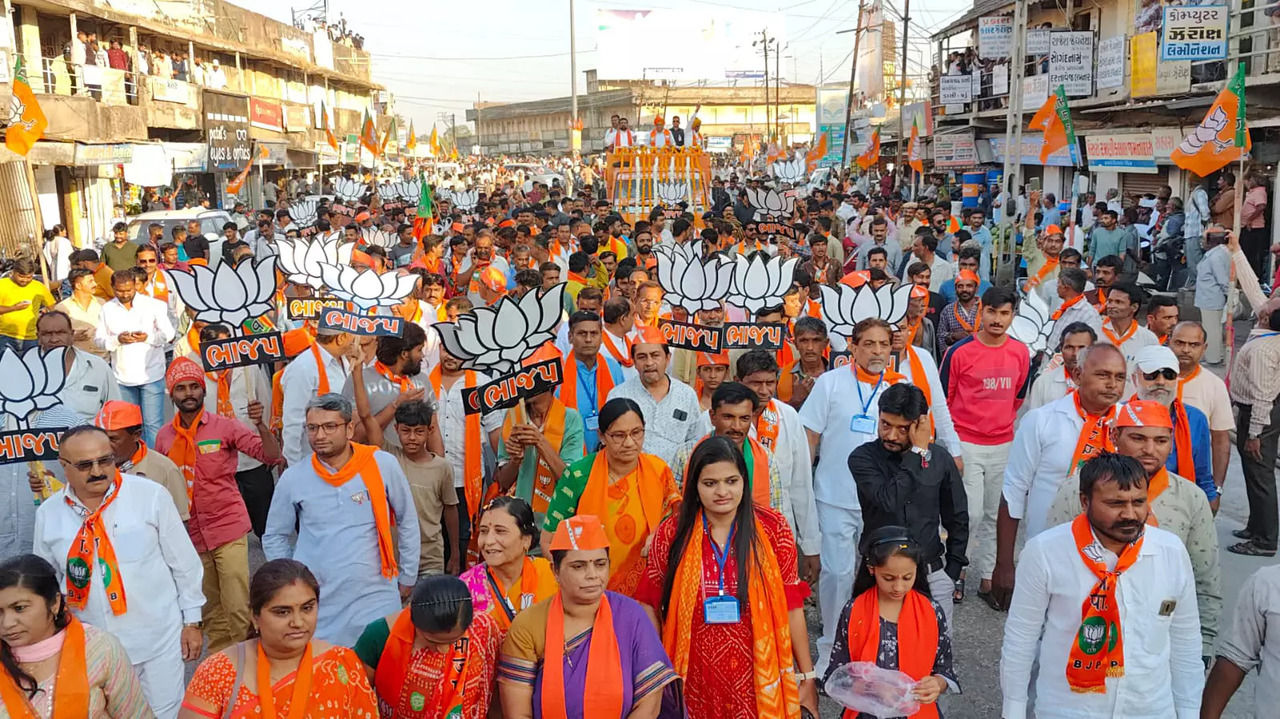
x: 339, y: 689
x: 114, y: 689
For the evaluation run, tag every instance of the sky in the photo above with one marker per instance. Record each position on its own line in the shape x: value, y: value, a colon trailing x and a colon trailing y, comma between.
x: 440, y: 57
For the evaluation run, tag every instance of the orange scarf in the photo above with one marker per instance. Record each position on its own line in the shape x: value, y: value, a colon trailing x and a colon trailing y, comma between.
x: 1156, y: 487
x: 625, y: 547
x: 921, y: 380
x: 138, y: 455
x: 1066, y: 306
x: 544, y: 482
x: 1095, y: 435
x: 813, y: 309
x: 1182, y: 381
x: 364, y: 463
x: 70, y: 687
x: 623, y: 358
x: 969, y: 327
x: 321, y: 373
x: 472, y: 466
x: 1182, y: 441
x: 223, y: 379
x: 399, y: 380
x: 1118, y: 341
x: 193, y: 341
x: 301, y: 686
x: 888, y: 376
x: 917, y: 639
x: 92, y: 538
x: 569, y: 386
x: 393, y: 673
x: 528, y: 590
x: 768, y: 424
x: 758, y: 464
x: 786, y: 355
x: 183, y: 451
x: 575, y: 277
x: 277, y: 401
x: 1050, y: 264
x: 777, y: 695
x: 1098, y: 652
x: 157, y: 287
x: 603, y: 692
x: 1101, y: 305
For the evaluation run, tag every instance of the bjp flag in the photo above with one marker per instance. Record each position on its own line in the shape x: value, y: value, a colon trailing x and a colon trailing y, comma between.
x: 1054, y: 120
x: 411, y: 143
x: 329, y: 137
x: 871, y: 155
x: 1221, y: 136
x: 386, y: 139
x: 369, y: 135
x: 234, y: 185
x: 434, y: 142
x: 914, y: 156
x: 27, y: 122
x: 816, y: 153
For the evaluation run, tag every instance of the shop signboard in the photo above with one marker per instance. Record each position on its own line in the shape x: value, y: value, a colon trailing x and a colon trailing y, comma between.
x: 995, y: 37
x: 170, y: 90
x: 955, y: 151
x: 226, y: 130
x: 955, y: 89
x: 1194, y: 32
x: 1030, y: 154
x: 98, y: 155
x: 266, y: 115
x: 1071, y: 62
x: 1131, y: 152
x: 1111, y: 63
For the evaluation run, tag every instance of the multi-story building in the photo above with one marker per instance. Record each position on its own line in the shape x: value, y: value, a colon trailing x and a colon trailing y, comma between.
x: 175, y: 91
x: 727, y: 114
x: 1130, y: 107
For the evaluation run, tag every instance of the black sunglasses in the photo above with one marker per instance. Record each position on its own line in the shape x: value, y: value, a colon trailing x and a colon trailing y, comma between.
x: 1168, y: 374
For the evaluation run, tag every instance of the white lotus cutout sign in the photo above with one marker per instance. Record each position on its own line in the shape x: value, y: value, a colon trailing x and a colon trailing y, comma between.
x: 693, y: 282
x: 228, y: 294
x: 760, y: 282
x: 847, y: 306
x: 31, y: 381
x: 367, y: 289
x: 497, y: 339
x: 1033, y: 323
x: 300, y: 260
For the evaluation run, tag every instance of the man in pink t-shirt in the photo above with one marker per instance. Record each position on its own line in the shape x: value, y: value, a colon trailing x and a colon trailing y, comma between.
x: 985, y: 378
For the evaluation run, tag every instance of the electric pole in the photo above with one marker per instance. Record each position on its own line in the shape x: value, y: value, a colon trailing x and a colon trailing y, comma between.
x: 1013, y: 136
x: 902, y: 89
x: 853, y: 75
x: 573, y: 81
x: 764, y: 43
x: 777, y: 91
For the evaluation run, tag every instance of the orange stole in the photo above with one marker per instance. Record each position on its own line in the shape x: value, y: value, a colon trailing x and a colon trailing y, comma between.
x: 364, y: 463
x: 392, y: 677
x: 631, y: 508
x: 569, y: 385
x: 70, y: 687
x: 917, y: 639
x: 603, y: 692
x: 544, y: 483
x: 472, y: 463
x: 777, y: 695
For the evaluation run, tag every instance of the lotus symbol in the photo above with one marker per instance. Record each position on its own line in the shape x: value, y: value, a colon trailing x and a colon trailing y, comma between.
x: 847, y: 306
x: 693, y: 282
x: 32, y: 381
x: 443, y: 194
x: 349, y: 191
x: 300, y: 260
x: 1033, y: 323
x: 366, y: 288
x: 760, y: 282
x: 304, y: 213
x: 378, y: 238
x: 770, y: 203
x: 410, y: 192
x: 496, y: 339
x: 466, y: 200
x: 670, y: 193
x: 228, y: 294
x: 789, y: 170
x: 1207, y: 132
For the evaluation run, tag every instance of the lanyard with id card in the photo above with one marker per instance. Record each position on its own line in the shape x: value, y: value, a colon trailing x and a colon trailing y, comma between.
x: 720, y: 609
x: 862, y: 423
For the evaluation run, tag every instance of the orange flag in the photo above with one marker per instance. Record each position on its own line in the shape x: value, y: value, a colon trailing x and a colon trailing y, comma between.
x: 915, y: 158
x: 1221, y: 136
x: 871, y: 155
x: 435, y: 142
x: 234, y: 185
x: 329, y: 137
x: 411, y: 143
x: 1048, y: 121
x: 816, y: 153
x: 27, y: 122
x: 369, y: 135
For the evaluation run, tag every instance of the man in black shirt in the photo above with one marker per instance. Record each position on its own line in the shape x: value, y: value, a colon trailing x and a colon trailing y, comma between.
x: 903, y: 479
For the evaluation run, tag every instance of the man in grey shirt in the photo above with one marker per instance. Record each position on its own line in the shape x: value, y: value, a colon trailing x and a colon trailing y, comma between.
x: 1106, y: 238
x: 1213, y: 277
x: 673, y: 415
x: 1252, y: 641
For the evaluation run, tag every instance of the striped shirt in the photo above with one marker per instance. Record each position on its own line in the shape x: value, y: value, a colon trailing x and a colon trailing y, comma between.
x: 1256, y: 379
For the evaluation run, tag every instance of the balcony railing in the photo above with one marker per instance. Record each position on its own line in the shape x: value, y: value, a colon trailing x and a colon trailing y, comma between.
x: 105, y: 84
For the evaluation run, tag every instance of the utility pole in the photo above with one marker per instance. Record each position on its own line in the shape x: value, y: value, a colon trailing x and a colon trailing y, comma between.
x: 853, y: 75
x: 1013, y: 134
x: 777, y: 92
x: 902, y: 89
x: 764, y: 43
x: 573, y: 81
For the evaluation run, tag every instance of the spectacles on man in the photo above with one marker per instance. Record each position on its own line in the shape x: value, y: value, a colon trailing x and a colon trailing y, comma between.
x: 327, y: 427
x: 87, y: 465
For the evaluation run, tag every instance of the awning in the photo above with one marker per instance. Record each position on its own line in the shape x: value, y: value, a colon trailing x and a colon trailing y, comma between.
x: 186, y: 156
x: 149, y: 166
x: 87, y: 155
x: 277, y: 153
x: 53, y: 153
x: 300, y: 160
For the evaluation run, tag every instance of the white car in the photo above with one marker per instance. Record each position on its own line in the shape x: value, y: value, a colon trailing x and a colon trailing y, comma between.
x: 211, y: 222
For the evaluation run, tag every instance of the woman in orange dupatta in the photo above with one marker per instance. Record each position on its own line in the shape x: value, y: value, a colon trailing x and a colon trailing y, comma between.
x: 723, y: 585
x: 436, y: 658
x: 508, y: 581
x: 54, y: 667
x: 282, y: 668
x: 892, y: 622
x: 632, y: 492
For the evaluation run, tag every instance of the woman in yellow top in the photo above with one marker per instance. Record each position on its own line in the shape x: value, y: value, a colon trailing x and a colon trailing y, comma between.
x: 508, y: 580
x: 629, y: 490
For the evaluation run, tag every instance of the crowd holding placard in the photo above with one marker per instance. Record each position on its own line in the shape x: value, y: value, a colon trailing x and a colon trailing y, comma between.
x: 450, y: 534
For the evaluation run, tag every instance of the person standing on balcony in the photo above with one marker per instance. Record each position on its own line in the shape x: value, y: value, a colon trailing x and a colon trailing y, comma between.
x: 180, y: 66
x: 116, y: 58
x: 79, y: 53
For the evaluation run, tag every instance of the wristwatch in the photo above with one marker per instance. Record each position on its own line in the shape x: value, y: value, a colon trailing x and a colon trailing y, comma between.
x: 806, y: 676
x: 194, y: 625
x: 925, y: 453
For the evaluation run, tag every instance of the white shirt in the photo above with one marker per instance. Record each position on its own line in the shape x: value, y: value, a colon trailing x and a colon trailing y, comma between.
x: 57, y: 252
x: 791, y: 457
x: 940, y: 271
x: 1142, y: 337
x: 1040, y: 461
x: 159, y: 567
x: 90, y: 384
x: 671, y: 423
x: 1081, y: 311
x: 1163, y: 676
x: 138, y: 363
x: 1052, y: 384
x: 299, y: 383
x: 836, y: 398
x: 453, y: 427
x: 943, y: 426
x: 239, y: 382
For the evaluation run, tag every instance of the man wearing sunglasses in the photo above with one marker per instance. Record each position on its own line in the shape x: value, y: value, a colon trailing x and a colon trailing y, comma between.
x: 1155, y: 377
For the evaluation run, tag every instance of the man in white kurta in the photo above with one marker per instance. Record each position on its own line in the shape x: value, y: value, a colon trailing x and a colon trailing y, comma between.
x: 323, y: 368
x: 330, y: 526
x: 158, y: 566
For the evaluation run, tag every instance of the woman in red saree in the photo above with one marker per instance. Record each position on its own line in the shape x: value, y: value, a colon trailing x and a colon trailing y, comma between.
x: 723, y: 585
x: 436, y: 658
x: 270, y: 675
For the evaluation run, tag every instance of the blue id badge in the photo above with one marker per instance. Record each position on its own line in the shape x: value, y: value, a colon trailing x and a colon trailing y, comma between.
x: 721, y: 610
x: 591, y: 422
x: 862, y: 424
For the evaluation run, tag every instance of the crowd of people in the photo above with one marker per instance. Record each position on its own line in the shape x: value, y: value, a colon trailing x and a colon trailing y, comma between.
x: 640, y: 539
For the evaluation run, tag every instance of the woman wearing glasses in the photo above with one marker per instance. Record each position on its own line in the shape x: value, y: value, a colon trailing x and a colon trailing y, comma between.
x: 508, y: 580
x: 630, y: 490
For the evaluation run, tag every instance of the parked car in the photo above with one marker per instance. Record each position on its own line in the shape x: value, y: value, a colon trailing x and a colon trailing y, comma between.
x: 211, y: 222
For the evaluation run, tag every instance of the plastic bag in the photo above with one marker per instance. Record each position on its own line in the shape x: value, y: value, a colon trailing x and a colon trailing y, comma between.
x: 865, y: 687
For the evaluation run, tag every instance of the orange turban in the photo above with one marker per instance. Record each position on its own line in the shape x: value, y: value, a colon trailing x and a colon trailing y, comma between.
x: 1143, y: 413
x: 183, y: 369
x: 361, y: 257
x: 117, y: 414
x: 296, y: 342
x: 582, y: 532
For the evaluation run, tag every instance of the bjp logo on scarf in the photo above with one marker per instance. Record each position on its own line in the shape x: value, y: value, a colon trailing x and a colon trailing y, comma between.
x: 1093, y: 632
x: 78, y: 572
